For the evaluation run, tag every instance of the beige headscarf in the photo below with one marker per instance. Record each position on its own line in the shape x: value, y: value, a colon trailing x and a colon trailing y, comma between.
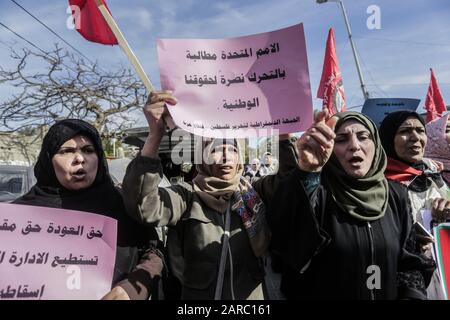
x: 215, y: 192
x: 245, y: 201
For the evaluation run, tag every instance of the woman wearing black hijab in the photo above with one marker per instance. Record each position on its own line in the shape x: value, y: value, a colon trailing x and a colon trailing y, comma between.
x: 404, y: 139
x: 72, y: 173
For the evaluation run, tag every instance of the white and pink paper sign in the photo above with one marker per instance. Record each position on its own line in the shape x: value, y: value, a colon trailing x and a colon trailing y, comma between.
x: 239, y: 87
x: 55, y: 254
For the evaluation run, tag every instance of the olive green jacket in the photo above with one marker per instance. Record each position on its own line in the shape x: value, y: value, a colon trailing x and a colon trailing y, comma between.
x: 196, y: 232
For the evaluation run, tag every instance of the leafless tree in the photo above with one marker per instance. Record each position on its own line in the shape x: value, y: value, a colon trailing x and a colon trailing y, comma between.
x: 67, y: 87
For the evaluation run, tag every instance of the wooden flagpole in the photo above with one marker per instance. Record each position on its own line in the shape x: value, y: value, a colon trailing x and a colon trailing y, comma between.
x: 125, y: 46
x: 123, y: 43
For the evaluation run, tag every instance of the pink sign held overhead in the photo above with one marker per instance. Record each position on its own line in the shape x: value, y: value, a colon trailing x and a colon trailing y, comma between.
x: 239, y: 87
x: 55, y: 254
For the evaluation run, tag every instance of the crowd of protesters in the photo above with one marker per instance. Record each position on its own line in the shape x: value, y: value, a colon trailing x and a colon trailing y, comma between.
x: 335, y: 215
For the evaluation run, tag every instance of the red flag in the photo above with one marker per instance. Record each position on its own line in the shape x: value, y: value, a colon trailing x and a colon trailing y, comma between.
x: 90, y: 23
x: 434, y: 102
x: 331, y: 88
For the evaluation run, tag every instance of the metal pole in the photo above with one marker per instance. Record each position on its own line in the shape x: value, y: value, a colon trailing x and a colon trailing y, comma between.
x: 358, y: 68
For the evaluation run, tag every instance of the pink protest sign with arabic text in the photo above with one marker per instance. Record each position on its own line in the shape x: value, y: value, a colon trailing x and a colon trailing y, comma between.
x: 241, y: 87
x: 48, y: 253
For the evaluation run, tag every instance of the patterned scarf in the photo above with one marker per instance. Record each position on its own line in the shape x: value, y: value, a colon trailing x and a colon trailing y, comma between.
x: 248, y: 204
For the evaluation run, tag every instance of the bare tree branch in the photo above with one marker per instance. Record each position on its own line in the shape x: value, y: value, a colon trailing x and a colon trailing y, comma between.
x: 66, y: 87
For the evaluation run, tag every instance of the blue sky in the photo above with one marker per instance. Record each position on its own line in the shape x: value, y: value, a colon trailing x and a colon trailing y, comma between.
x: 414, y: 36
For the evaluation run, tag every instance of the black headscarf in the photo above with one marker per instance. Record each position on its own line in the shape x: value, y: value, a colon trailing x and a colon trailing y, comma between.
x: 101, y: 197
x: 389, y: 127
x: 54, y: 139
x: 50, y: 193
x: 419, y: 182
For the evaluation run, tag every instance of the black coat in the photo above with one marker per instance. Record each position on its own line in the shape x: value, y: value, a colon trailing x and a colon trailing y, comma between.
x: 325, y: 253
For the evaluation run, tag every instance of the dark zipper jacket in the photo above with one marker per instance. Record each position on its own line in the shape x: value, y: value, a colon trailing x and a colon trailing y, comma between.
x: 327, y: 254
